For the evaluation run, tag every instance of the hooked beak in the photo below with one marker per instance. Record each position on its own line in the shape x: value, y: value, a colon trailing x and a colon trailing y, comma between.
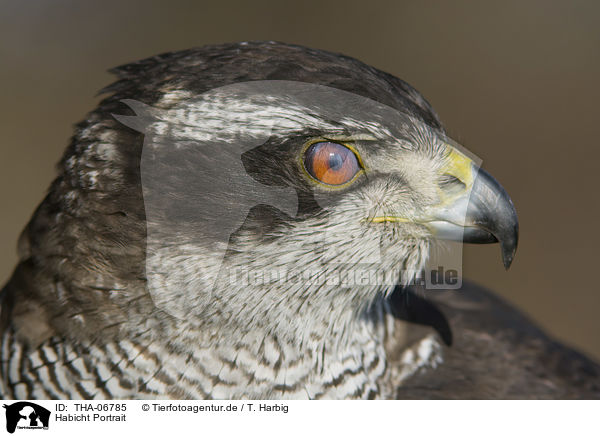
x: 489, y: 216
x: 479, y: 211
x: 482, y: 213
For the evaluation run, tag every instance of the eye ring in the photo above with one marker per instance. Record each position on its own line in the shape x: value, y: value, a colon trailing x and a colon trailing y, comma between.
x: 331, y: 164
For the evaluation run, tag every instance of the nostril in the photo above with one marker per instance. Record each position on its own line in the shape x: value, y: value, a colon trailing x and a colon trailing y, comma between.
x: 451, y: 184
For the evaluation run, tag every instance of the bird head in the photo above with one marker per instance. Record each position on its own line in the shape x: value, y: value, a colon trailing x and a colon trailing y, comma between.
x: 265, y: 175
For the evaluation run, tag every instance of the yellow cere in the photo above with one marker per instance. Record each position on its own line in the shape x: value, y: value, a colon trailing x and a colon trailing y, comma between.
x: 459, y: 166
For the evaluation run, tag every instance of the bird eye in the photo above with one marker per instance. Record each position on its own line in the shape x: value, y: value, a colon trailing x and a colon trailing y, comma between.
x: 331, y: 163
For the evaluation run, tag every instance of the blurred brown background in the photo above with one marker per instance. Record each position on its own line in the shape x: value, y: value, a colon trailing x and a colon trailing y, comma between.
x: 516, y: 83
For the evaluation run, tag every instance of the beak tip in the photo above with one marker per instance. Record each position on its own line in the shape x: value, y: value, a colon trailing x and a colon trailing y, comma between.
x: 494, y: 211
x: 508, y: 253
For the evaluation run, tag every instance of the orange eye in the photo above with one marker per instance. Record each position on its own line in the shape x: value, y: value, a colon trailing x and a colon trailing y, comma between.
x: 331, y: 163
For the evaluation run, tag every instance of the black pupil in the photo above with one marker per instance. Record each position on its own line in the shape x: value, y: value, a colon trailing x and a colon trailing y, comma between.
x: 336, y: 161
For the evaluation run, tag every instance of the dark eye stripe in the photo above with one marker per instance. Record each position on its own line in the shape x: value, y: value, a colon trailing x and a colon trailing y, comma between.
x: 331, y: 163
